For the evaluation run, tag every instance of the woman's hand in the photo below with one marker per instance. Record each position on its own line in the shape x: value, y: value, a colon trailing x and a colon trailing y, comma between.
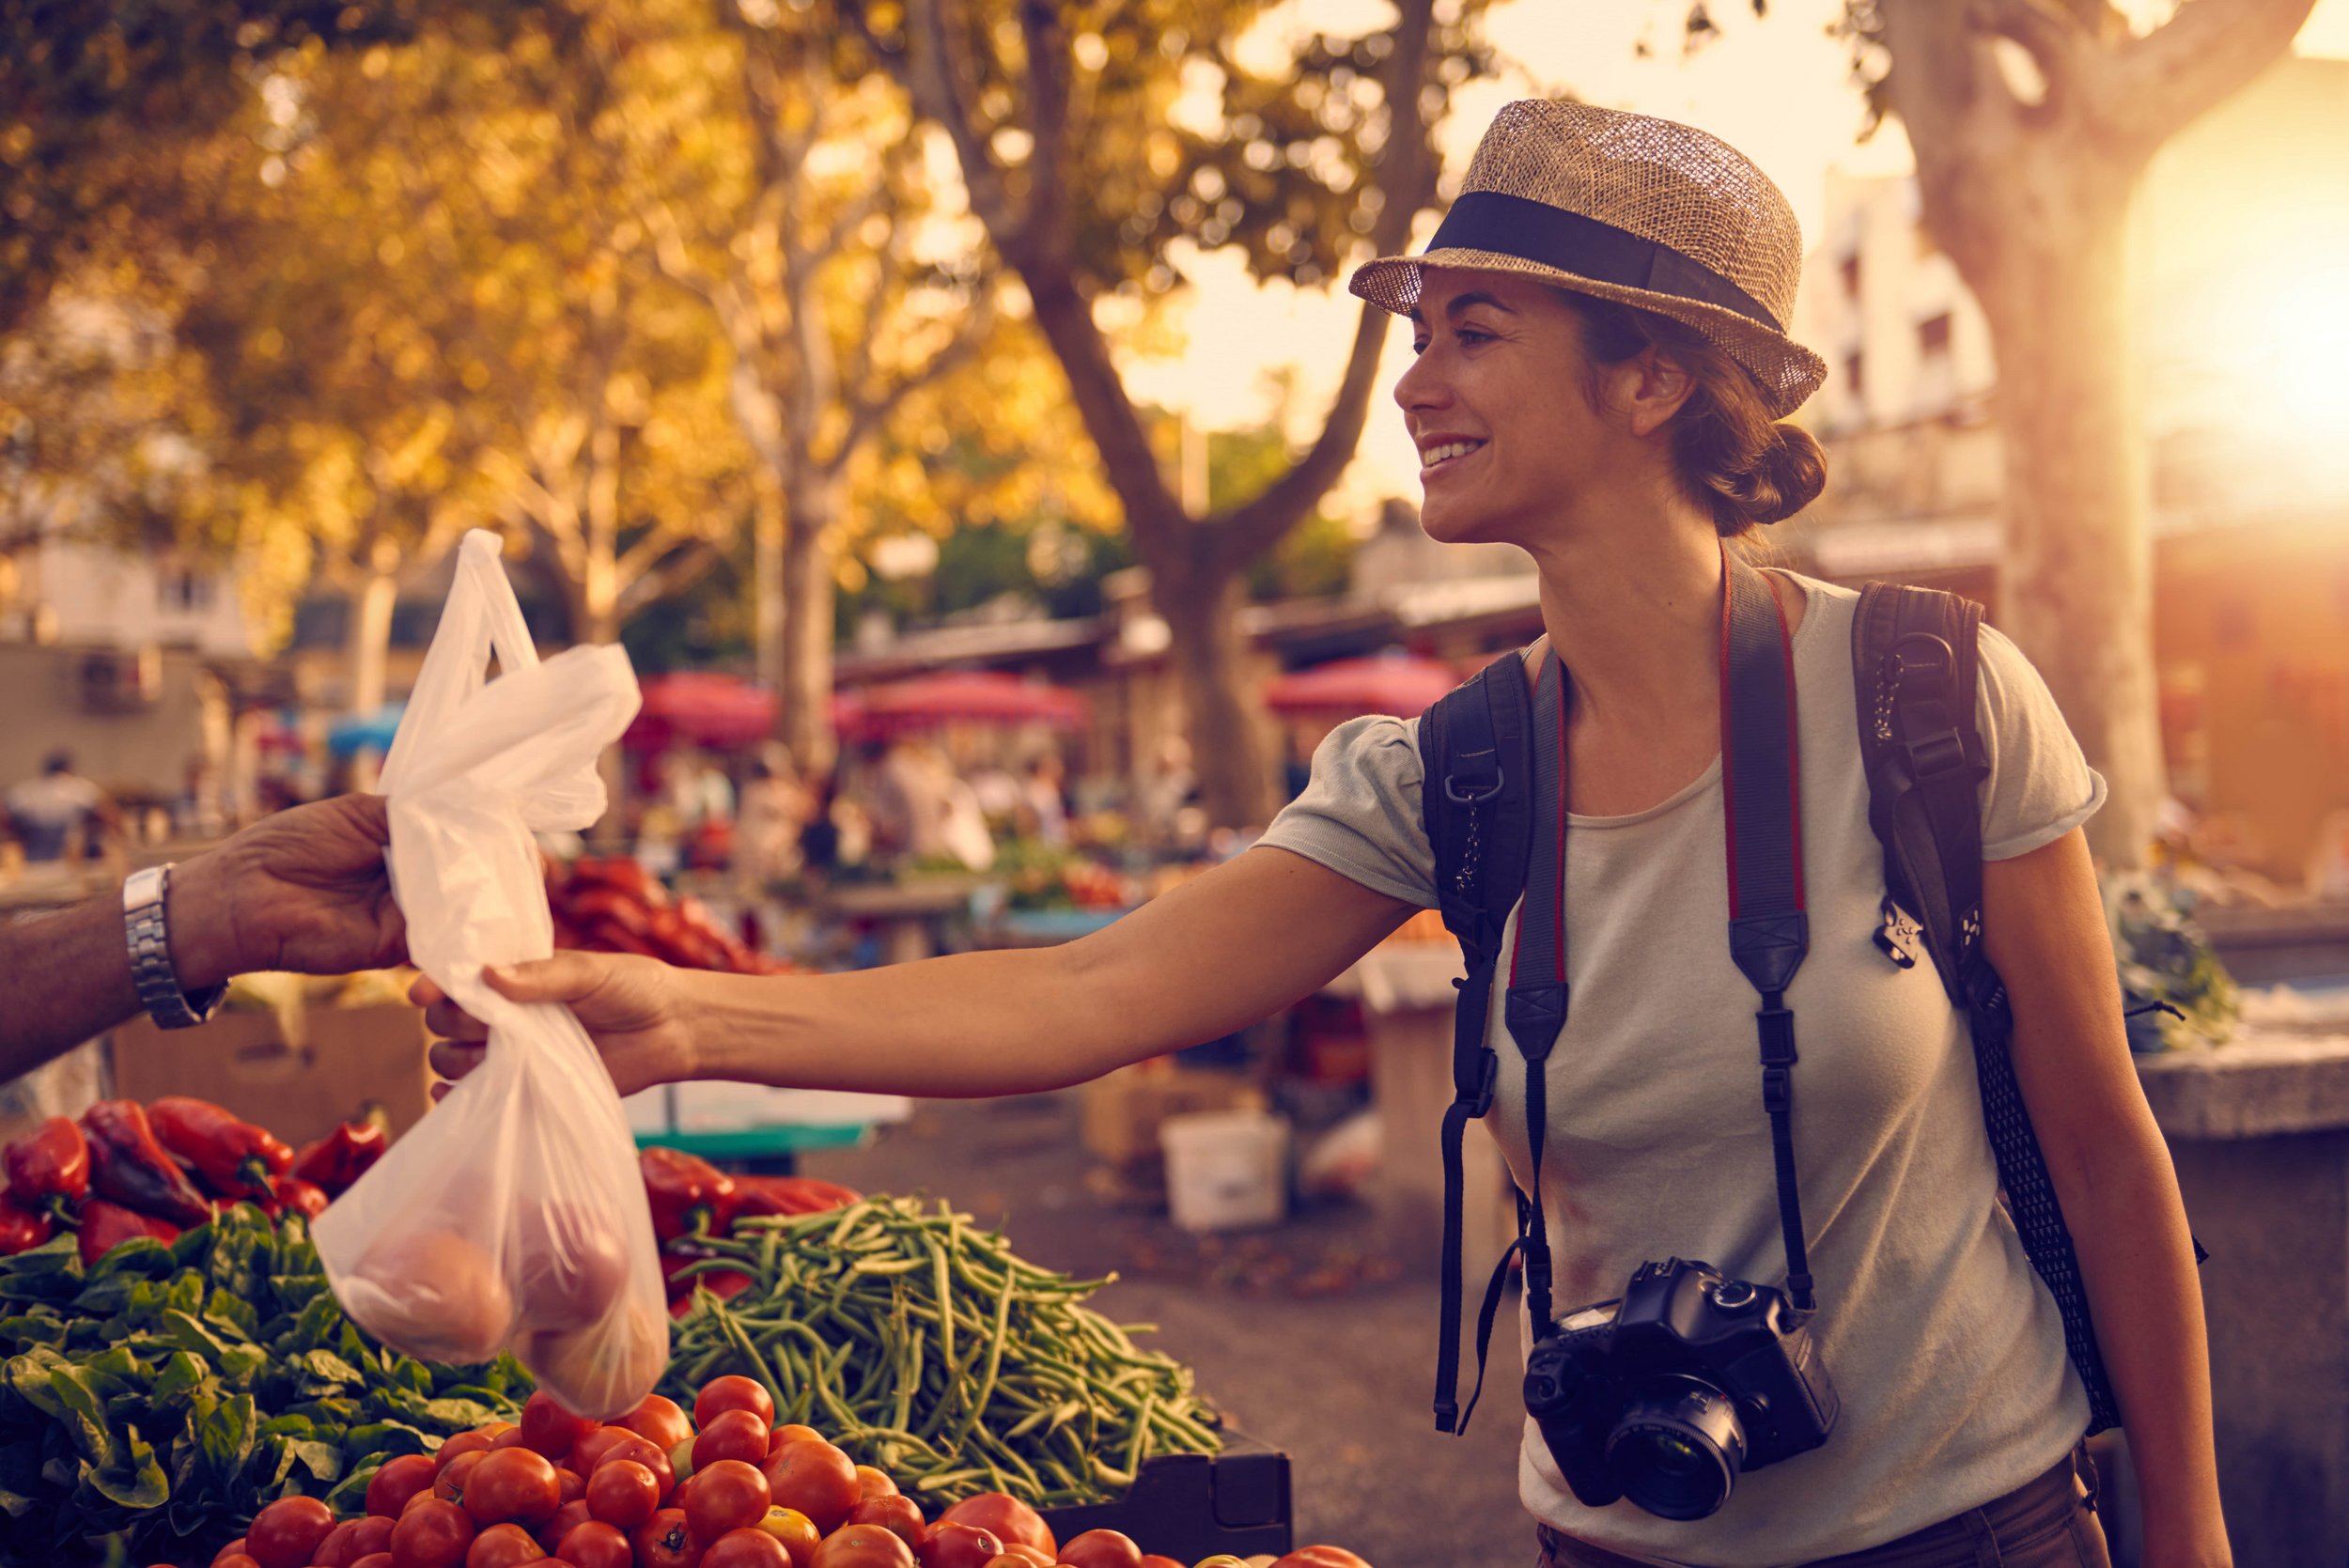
x: 632, y: 1008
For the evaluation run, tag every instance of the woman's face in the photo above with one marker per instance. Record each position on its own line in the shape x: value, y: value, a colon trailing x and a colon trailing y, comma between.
x: 1496, y: 406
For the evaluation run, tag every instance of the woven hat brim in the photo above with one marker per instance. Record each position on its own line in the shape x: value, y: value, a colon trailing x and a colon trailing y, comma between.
x: 1787, y: 372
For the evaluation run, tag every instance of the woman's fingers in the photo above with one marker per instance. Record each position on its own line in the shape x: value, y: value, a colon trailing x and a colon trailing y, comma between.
x: 452, y: 1023
x: 454, y: 1059
x: 424, y: 993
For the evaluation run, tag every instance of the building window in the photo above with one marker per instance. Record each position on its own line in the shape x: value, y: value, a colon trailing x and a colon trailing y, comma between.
x: 1933, y: 334
x: 183, y: 591
x: 1851, y: 274
x: 1853, y: 384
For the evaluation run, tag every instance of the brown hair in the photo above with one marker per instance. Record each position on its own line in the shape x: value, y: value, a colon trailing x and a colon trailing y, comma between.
x: 1744, y: 467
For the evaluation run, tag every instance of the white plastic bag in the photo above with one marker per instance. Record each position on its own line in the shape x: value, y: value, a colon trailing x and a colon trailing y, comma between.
x: 513, y: 1216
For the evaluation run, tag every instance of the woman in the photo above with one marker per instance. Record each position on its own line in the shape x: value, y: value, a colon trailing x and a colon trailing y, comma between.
x: 1602, y: 354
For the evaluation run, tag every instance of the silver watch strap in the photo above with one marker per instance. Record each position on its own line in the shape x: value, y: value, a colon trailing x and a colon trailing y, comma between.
x: 149, y: 939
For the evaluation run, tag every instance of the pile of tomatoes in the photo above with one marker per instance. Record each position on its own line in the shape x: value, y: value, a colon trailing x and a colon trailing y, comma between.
x: 723, y: 1488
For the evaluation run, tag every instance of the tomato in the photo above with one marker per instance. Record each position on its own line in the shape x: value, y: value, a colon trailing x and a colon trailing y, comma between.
x: 863, y: 1547
x: 509, y: 1438
x: 433, y: 1532
x: 796, y: 1531
x: 569, y: 1484
x: 958, y: 1545
x: 376, y: 1560
x: 623, y: 1492
x: 494, y: 1430
x: 733, y: 1393
x: 746, y: 1548
x: 567, y: 1518
x: 548, y: 1428
x: 794, y: 1433
x: 234, y: 1548
x: 589, y: 1451
x: 338, y: 1550
x: 1220, y: 1560
x: 660, y: 1420
x: 449, y: 1485
x: 663, y: 1542
x: 287, y: 1533
x: 1152, y: 1559
x: 397, y: 1480
x: 595, y: 1545
x: 899, y: 1515
x: 815, y: 1477
x: 1101, y: 1548
x: 727, y: 1495
x: 233, y: 1560
x: 464, y: 1442
x: 682, y: 1460
x: 1008, y: 1517
x: 731, y: 1435
x: 1019, y: 1551
x: 871, y: 1482
x: 503, y: 1546
x: 515, y: 1484
x: 640, y: 1451
x: 1321, y: 1557
x: 368, y: 1536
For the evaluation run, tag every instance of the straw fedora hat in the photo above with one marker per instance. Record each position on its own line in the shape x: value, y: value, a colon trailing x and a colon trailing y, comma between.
x: 1644, y: 211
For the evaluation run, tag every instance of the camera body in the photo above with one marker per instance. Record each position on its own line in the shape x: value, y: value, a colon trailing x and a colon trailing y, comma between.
x: 1665, y: 1394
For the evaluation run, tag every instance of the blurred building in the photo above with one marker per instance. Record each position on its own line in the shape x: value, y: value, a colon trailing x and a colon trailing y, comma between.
x: 2243, y: 333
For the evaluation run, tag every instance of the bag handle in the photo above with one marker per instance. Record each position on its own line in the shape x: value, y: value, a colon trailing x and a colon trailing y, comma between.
x: 481, y: 617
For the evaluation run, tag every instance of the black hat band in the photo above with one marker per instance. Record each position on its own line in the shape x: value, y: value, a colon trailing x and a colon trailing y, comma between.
x: 1536, y: 231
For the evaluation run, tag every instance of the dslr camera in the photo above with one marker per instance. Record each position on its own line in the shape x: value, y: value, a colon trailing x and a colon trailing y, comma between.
x: 1665, y: 1394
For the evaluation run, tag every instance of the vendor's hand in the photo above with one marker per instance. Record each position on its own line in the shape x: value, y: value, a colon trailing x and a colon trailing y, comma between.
x: 302, y: 889
x: 629, y: 1006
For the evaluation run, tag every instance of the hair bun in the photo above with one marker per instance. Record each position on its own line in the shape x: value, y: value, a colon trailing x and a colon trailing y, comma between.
x: 1788, y: 474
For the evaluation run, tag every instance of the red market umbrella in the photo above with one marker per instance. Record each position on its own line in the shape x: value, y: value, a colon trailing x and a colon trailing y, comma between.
x: 974, y: 696
x: 1393, y: 683
x: 700, y: 707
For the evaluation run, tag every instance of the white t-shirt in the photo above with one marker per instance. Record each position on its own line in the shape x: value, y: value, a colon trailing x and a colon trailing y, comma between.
x: 1946, y: 1349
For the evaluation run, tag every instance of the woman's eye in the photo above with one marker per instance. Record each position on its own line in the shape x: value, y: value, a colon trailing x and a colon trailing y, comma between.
x: 1419, y: 346
x: 1470, y: 335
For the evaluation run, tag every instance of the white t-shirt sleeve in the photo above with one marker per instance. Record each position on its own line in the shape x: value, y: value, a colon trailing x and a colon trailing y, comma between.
x: 2040, y: 787
x: 1360, y: 816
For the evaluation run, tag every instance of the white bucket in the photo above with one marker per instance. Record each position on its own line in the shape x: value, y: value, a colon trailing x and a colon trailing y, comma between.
x: 1226, y: 1169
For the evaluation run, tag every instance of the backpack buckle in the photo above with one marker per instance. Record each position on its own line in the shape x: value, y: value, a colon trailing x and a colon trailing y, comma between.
x: 1472, y: 797
x: 1478, y: 1098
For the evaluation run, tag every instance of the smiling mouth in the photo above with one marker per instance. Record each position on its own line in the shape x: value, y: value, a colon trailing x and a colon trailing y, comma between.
x: 1438, y: 457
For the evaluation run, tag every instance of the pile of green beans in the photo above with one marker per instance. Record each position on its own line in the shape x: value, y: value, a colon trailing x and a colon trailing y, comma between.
x: 926, y: 1348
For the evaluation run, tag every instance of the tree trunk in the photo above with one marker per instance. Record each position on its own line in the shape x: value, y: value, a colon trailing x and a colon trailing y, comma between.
x: 1230, y: 752
x: 371, y: 633
x: 769, y: 613
x: 2075, y: 587
x: 807, y: 594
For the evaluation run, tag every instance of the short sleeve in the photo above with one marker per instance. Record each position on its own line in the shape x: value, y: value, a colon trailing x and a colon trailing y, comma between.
x: 2040, y: 787
x: 1360, y: 815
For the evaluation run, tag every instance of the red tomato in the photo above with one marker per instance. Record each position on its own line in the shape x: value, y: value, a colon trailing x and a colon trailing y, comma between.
x: 733, y: 1393
x: 376, y: 1560
x: 503, y: 1546
x: 746, y: 1548
x: 338, y: 1550
x: 597, y: 1545
x: 449, y: 1485
x: 663, y: 1542
x: 1008, y: 1517
x: 1101, y: 1548
x: 1019, y: 1551
x: 369, y: 1536
x: 871, y: 1482
x: 796, y: 1531
x: 570, y: 1482
x: 623, y: 1492
x: 957, y: 1546
x: 727, y: 1495
x: 567, y: 1518
x: 514, y: 1483
x: 234, y: 1548
x: 288, y: 1532
x: 548, y: 1428
x: 433, y: 1532
x: 660, y: 1420
x: 1321, y: 1557
x: 815, y: 1477
x: 509, y: 1438
x: 793, y: 1433
x: 397, y: 1480
x: 233, y: 1560
x: 731, y: 1435
x: 494, y: 1430
x: 639, y: 1451
x: 899, y: 1515
x: 464, y: 1442
x: 1152, y: 1559
x: 589, y: 1451
x: 863, y: 1547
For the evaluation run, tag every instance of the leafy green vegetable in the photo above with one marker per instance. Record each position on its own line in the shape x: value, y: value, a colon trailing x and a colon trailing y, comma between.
x: 150, y: 1405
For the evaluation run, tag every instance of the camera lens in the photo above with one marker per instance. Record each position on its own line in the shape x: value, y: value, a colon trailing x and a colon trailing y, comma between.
x: 1677, y: 1451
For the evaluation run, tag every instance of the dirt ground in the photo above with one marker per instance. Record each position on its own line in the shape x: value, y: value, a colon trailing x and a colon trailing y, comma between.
x: 1316, y: 1337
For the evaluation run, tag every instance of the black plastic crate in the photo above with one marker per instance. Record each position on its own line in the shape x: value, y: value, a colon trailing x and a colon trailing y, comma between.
x: 1187, y: 1506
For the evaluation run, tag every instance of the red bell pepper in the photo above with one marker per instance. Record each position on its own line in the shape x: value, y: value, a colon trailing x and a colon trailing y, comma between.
x: 105, y: 1226
x: 235, y: 1158
x: 681, y: 1187
x: 342, y: 1157
x: 50, y: 1161
x: 725, y: 1283
x: 757, y: 1195
x: 296, y: 1196
x: 129, y: 1166
x: 20, y: 1230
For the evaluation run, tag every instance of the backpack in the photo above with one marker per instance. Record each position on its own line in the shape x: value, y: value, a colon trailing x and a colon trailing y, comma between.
x: 1914, y: 668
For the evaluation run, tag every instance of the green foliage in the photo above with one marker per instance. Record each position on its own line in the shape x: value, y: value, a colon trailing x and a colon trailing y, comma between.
x: 2166, y: 958
x: 155, y: 1400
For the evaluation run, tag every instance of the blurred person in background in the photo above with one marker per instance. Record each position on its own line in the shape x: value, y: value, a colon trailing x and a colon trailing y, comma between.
x: 1043, y: 813
x: 60, y: 814
x: 774, y: 816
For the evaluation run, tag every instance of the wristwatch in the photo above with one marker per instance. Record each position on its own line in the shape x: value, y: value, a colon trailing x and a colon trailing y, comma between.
x: 158, y: 983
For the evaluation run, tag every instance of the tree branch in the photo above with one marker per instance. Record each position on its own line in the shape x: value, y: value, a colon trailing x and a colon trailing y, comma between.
x: 869, y: 415
x: 1046, y: 40
x: 672, y: 576
x: 2203, y: 55
x: 933, y: 70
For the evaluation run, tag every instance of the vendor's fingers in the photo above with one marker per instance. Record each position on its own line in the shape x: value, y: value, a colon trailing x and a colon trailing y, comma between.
x: 566, y: 977
x: 454, y: 1059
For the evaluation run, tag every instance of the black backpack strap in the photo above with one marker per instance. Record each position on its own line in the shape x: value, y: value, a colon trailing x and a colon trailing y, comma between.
x: 1477, y: 802
x: 1914, y: 652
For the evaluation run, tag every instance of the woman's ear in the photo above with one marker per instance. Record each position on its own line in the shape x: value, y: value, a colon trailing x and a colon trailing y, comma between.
x: 1654, y: 386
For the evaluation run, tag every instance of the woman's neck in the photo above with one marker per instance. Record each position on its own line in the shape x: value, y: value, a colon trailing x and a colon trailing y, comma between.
x: 1634, y: 611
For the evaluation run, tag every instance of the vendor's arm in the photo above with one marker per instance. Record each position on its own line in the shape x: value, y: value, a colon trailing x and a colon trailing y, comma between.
x: 303, y: 889
x: 2044, y: 927
x: 1218, y: 952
